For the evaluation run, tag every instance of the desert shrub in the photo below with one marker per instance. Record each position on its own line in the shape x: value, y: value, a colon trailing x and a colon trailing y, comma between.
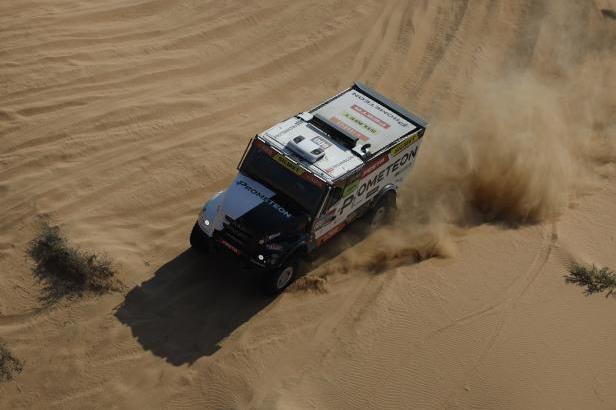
x: 66, y: 270
x: 592, y: 278
x: 9, y: 365
x: 609, y: 13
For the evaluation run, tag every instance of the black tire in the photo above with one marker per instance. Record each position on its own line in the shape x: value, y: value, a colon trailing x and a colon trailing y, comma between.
x: 277, y: 280
x: 383, y: 210
x: 198, y: 239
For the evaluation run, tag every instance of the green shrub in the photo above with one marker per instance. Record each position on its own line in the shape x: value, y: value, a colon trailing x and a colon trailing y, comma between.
x: 9, y: 365
x: 66, y: 270
x: 594, y: 279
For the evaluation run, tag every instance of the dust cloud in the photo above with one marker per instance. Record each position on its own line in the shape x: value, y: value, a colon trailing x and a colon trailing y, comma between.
x: 518, y: 152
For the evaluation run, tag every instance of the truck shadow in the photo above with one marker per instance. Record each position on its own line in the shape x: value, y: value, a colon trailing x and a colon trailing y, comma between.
x: 190, y: 305
x: 195, y: 301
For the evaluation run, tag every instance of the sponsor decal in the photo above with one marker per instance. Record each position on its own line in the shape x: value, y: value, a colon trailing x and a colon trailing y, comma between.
x: 374, y: 164
x: 369, y: 187
x: 264, y: 198
x: 370, y: 116
x: 288, y: 164
x: 348, y: 190
x: 284, y: 131
x: 403, y: 145
x: 342, y: 125
x: 231, y: 247
x: 379, y: 108
x: 344, y: 161
x: 360, y: 122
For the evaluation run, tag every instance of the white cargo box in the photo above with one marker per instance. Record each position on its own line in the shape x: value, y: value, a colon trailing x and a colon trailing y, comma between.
x: 350, y: 129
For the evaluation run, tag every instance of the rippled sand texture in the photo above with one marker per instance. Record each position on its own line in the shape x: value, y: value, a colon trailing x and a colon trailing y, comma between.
x: 119, y: 118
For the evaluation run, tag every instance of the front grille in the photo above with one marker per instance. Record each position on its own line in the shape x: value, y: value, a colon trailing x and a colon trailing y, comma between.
x: 236, y: 234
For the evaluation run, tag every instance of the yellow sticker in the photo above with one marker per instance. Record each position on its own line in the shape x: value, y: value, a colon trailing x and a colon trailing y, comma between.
x: 288, y: 164
x: 403, y: 145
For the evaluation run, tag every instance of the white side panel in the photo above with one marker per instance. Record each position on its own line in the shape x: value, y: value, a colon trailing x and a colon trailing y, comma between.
x: 390, y: 168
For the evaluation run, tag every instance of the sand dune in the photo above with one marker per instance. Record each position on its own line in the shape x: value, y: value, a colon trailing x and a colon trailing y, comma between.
x: 119, y: 118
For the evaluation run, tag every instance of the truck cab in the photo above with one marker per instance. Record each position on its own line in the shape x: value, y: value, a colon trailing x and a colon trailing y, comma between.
x: 302, y: 181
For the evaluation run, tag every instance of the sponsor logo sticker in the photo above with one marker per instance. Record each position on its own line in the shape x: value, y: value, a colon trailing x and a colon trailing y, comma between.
x: 360, y: 122
x: 339, y: 164
x: 231, y: 247
x: 369, y: 115
x: 288, y: 164
x: 377, y: 107
x: 348, y: 190
x: 264, y: 198
x: 403, y: 145
x: 284, y: 130
x: 342, y: 125
x: 374, y: 164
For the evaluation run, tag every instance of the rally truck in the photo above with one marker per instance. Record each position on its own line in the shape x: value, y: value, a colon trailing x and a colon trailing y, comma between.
x: 301, y: 182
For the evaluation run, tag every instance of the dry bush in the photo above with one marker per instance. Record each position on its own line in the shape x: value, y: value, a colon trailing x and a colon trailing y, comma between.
x: 592, y: 278
x: 9, y: 365
x: 68, y: 271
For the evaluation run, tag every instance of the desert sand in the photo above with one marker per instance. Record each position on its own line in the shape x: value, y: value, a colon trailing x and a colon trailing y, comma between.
x: 118, y: 119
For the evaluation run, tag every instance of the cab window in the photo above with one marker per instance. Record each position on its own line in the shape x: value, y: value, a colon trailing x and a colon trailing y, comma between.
x: 334, y: 196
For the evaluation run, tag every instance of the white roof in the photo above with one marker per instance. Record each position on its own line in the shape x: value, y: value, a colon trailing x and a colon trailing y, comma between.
x: 337, y: 160
x: 354, y: 115
x: 369, y: 121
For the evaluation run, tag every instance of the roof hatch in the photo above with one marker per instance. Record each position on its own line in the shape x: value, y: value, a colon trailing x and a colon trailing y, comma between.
x: 306, y: 148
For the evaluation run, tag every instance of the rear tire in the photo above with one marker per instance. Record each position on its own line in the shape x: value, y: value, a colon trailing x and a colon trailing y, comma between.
x: 198, y: 239
x: 383, y: 211
x: 277, y: 280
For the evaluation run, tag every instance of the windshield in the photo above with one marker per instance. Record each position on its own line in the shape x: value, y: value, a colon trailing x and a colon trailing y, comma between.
x: 262, y: 167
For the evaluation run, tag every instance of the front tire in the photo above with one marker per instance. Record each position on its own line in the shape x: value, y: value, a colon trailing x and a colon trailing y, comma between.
x: 198, y: 239
x: 277, y: 280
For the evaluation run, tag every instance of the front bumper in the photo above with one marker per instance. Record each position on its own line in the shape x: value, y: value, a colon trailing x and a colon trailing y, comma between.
x: 228, y: 243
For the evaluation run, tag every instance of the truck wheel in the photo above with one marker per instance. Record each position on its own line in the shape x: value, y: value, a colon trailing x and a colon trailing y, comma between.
x: 277, y: 280
x: 383, y: 211
x: 198, y: 239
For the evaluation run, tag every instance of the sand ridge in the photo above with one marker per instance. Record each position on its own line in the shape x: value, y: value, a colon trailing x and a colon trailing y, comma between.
x: 119, y: 118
